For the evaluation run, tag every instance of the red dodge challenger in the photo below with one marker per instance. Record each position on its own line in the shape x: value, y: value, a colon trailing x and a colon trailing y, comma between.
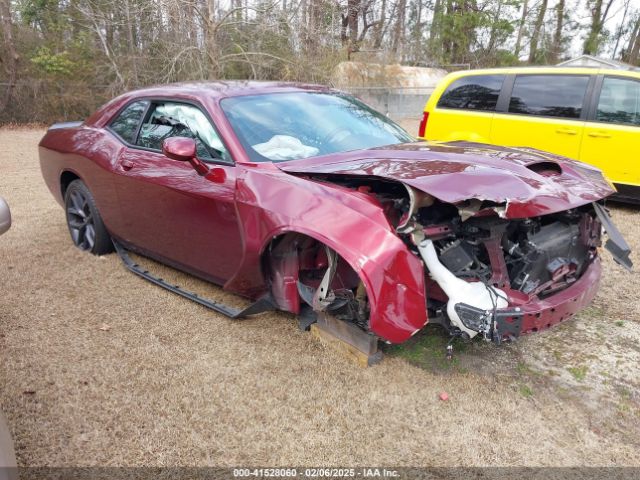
x: 306, y: 200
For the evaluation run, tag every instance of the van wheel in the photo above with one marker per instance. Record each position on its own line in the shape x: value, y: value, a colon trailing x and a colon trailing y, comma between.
x: 83, y: 219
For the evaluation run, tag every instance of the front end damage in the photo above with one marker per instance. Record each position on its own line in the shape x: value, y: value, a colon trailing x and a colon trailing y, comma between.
x: 503, y: 278
x: 508, y: 239
x: 484, y: 274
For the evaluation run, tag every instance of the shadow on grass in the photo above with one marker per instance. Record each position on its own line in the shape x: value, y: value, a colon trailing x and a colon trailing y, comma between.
x: 428, y: 350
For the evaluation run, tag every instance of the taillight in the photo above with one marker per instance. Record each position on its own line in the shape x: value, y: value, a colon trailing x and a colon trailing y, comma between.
x: 423, y: 124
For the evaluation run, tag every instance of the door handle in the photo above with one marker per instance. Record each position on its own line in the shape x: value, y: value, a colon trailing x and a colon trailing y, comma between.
x: 567, y: 131
x: 599, y: 134
x: 126, y: 165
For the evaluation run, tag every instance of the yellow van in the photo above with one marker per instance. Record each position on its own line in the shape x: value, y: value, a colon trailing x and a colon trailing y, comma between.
x: 588, y: 114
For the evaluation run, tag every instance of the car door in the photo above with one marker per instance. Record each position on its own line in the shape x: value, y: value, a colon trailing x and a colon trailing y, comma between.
x: 465, y: 109
x: 612, y: 133
x: 168, y: 209
x: 544, y: 111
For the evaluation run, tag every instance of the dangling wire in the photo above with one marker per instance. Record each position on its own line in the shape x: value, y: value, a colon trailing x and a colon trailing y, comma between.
x: 494, y: 295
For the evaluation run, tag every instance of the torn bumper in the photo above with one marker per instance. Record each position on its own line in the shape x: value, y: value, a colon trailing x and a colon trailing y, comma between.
x: 538, y: 314
x: 616, y: 244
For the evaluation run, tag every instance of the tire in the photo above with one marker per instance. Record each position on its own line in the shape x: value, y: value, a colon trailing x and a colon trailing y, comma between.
x: 85, y: 224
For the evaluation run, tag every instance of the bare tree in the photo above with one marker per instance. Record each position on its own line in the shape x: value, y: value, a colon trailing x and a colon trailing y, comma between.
x: 398, y: 29
x: 621, y: 28
x: 632, y: 52
x: 598, y: 18
x: 11, y: 58
x: 521, y: 24
x: 380, y: 26
x: 107, y: 46
x: 537, y: 29
x: 556, y: 48
x: 493, y: 37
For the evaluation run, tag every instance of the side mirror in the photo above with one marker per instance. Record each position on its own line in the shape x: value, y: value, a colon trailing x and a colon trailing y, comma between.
x: 183, y: 149
x: 179, y: 148
x: 5, y: 216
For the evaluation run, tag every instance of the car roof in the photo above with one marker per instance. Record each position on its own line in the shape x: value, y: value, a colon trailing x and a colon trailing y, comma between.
x: 230, y: 88
x: 200, y: 91
x: 547, y: 70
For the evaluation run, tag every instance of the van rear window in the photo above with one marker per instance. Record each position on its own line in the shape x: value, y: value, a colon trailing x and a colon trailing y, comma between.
x: 476, y: 92
x: 549, y: 95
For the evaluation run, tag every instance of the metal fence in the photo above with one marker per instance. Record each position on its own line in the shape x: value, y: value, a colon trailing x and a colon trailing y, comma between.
x: 49, y: 102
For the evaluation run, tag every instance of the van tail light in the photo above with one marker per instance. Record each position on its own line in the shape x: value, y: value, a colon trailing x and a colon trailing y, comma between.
x: 423, y: 124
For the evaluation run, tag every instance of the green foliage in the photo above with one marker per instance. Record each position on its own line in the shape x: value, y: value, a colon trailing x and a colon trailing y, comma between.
x: 48, y: 16
x: 428, y: 350
x: 57, y: 64
x: 579, y: 373
x: 505, y: 58
x: 526, y: 391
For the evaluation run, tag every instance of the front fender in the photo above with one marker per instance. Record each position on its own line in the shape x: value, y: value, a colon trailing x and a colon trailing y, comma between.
x: 271, y: 203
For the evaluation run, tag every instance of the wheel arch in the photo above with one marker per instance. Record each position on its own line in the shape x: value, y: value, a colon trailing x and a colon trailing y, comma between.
x: 282, y: 243
x: 393, y: 282
x: 66, y: 177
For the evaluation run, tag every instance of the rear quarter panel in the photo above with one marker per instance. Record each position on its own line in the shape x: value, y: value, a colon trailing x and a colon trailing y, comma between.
x: 89, y: 153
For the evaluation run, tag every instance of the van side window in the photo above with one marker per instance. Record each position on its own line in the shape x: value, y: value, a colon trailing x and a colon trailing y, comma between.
x: 619, y: 101
x: 549, y: 95
x: 125, y: 125
x: 475, y: 92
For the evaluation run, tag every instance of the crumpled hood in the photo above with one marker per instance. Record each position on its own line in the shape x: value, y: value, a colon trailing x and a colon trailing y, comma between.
x: 528, y: 182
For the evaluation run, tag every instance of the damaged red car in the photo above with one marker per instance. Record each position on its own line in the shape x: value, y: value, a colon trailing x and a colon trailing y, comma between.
x: 306, y: 200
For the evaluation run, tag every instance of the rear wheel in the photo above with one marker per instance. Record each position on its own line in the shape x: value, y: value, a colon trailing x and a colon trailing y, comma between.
x: 83, y: 219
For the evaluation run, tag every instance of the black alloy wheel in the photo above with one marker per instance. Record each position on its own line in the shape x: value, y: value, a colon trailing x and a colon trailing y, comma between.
x: 83, y: 219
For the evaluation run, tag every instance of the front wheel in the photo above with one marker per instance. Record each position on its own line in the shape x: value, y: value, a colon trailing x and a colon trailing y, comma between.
x: 83, y: 219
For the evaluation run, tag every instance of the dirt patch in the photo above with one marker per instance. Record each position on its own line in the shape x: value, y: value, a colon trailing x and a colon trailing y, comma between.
x: 98, y: 367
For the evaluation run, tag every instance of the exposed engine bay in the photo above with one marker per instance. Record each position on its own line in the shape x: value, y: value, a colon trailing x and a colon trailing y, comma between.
x: 507, y: 261
x: 539, y: 255
x: 480, y: 268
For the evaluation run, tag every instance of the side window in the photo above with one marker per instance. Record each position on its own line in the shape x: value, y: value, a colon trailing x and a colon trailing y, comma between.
x: 126, y: 123
x: 619, y: 101
x: 181, y: 120
x: 476, y: 92
x: 549, y: 95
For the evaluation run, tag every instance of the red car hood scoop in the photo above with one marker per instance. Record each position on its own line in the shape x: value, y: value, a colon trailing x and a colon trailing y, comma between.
x: 528, y: 182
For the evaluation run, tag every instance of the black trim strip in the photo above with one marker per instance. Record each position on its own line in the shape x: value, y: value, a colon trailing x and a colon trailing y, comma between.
x: 143, y: 118
x: 587, y: 100
x: 505, y: 94
x: 264, y: 304
x: 595, y: 98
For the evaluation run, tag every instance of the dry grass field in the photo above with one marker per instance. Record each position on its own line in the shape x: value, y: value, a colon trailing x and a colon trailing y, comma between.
x: 99, y: 367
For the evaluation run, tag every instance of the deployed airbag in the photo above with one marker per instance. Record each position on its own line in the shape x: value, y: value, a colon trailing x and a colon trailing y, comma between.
x: 284, y: 147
